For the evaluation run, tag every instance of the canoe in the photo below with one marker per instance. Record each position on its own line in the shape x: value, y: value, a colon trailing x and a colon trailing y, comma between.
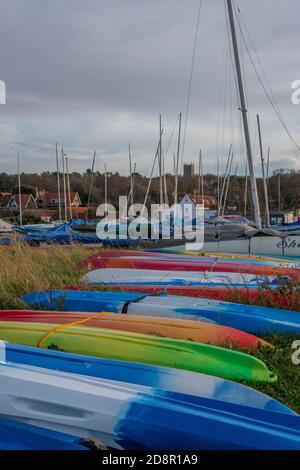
x: 128, y: 416
x: 111, y: 276
x: 111, y: 344
x: 21, y: 436
x: 249, y: 318
x: 189, y: 330
x: 199, y: 266
x: 163, y: 378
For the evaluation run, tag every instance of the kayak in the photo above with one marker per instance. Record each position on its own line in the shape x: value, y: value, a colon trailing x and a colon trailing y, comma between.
x: 284, y: 262
x: 20, y: 436
x: 128, y: 416
x: 111, y: 276
x: 200, y: 332
x: 199, y: 266
x: 236, y: 295
x: 163, y: 378
x: 16, y: 435
x: 111, y: 344
x: 95, y: 261
x: 249, y: 318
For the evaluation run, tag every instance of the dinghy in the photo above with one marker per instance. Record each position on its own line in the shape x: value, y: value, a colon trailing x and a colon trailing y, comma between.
x: 128, y: 416
x: 249, y: 318
x: 111, y: 344
x: 154, y: 326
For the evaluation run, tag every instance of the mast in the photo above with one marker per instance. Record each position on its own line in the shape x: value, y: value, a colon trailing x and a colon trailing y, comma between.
x: 64, y: 183
x: 201, y: 176
x: 244, y: 111
x: 177, y: 160
x: 91, y: 185
x: 69, y: 188
x: 220, y: 205
x: 165, y: 180
x: 58, y: 183
x: 105, y: 186
x: 279, y: 192
x: 161, y: 194
x: 267, y: 213
x: 131, y: 176
x: 20, y: 194
x: 227, y: 186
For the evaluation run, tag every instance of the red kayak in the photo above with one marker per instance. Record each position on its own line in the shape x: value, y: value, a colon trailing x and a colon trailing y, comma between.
x: 196, y: 266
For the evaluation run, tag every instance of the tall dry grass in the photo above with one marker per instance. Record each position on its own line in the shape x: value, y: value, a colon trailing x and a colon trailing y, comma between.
x: 24, y: 269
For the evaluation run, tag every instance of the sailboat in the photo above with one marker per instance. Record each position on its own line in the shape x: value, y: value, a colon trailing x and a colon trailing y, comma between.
x: 219, y: 237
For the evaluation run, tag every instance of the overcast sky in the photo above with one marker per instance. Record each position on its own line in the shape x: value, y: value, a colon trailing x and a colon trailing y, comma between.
x: 96, y: 74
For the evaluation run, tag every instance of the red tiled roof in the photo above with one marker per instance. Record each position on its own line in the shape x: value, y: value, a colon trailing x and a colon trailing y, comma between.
x: 25, y: 198
x: 4, y: 199
x: 47, y: 197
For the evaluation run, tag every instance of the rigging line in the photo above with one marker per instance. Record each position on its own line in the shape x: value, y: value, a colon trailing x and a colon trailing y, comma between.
x: 268, y: 95
x: 258, y: 58
x: 191, y: 80
x: 222, y: 74
x: 171, y: 138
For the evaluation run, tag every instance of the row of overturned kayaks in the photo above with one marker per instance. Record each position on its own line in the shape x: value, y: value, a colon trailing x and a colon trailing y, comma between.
x: 92, y: 366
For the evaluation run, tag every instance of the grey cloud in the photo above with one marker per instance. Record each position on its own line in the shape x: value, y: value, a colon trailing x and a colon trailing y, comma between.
x: 96, y: 74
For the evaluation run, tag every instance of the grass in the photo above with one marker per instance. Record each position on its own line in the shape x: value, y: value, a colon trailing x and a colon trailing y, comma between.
x: 25, y: 269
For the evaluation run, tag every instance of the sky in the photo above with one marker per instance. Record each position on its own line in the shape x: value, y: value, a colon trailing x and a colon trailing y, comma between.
x: 96, y: 75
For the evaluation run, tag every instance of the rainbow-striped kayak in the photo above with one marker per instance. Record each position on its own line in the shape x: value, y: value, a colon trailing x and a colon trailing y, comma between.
x: 200, y: 332
x: 111, y: 344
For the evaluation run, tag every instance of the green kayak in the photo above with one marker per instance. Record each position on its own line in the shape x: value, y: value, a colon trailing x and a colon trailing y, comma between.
x: 112, y: 344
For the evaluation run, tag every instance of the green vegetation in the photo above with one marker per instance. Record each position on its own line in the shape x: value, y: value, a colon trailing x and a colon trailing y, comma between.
x: 25, y: 269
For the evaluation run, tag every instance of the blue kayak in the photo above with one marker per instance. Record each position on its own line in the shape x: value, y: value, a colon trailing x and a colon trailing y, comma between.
x: 149, y: 418
x: 15, y: 435
x: 249, y: 318
x: 170, y: 380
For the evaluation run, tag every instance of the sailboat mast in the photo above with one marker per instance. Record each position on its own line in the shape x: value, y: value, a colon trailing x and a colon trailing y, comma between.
x: 105, y: 186
x: 244, y: 111
x: 69, y: 188
x: 177, y: 160
x: 131, y: 175
x: 58, y: 183
x: 20, y: 195
x: 64, y: 183
x: 267, y: 213
x: 161, y: 194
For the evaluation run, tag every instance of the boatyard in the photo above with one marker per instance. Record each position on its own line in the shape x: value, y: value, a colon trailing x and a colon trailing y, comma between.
x: 149, y: 231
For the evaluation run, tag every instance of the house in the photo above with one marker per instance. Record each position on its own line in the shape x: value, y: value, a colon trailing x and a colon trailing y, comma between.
x: 27, y: 201
x: 189, y: 201
x: 47, y: 200
x: 4, y: 199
